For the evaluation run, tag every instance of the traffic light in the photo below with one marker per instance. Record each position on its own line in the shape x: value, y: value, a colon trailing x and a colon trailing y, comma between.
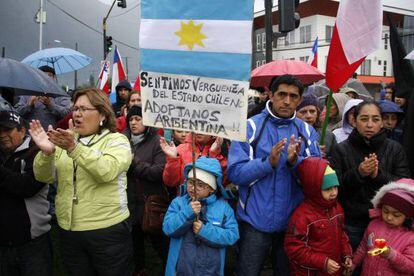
x: 108, y: 44
x: 121, y: 3
x: 288, y: 18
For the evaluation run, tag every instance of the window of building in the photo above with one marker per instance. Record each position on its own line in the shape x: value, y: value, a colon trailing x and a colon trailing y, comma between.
x: 379, y: 62
x: 292, y: 58
x: 257, y: 63
x: 305, y: 58
x: 328, y: 33
x: 385, y: 41
x: 264, y: 41
x: 366, y: 67
x: 258, y: 42
x: 305, y: 34
x: 385, y: 68
x: 263, y: 62
x: 290, y: 38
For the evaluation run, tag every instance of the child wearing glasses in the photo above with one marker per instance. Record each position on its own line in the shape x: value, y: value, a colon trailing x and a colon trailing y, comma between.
x: 200, y: 223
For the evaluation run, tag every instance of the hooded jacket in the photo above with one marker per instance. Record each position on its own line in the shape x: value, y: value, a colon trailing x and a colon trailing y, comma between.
x: 23, y: 200
x: 340, y: 100
x: 120, y: 102
x: 397, y: 133
x: 98, y: 166
x: 316, y: 229
x: 267, y: 195
x: 173, y: 174
x: 400, y: 240
x: 202, y: 253
x: 341, y: 134
x: 355, y: 192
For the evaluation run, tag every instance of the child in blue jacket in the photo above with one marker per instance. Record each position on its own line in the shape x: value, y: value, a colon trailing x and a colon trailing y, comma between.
x: 200, y: 230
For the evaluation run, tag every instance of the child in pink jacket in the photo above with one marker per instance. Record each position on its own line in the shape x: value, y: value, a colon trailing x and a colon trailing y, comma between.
x: 392, y: 221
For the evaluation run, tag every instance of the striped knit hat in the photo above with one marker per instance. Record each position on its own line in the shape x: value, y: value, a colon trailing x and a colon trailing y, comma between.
x: 330, y: 179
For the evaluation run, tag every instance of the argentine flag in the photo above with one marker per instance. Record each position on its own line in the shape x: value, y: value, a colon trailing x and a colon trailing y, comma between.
x: 202, y: 48
x: 210, y: 38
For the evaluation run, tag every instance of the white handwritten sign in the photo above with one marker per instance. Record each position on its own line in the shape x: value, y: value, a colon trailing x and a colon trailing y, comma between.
x: 203, y: 105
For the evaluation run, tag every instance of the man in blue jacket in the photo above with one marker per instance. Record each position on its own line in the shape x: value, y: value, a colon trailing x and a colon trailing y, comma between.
x: 263, y: 169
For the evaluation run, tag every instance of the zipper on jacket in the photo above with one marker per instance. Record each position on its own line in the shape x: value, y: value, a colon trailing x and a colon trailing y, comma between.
x: 249, y: 190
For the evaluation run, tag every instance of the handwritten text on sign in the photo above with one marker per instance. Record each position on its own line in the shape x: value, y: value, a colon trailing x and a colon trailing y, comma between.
x: 203, y: 105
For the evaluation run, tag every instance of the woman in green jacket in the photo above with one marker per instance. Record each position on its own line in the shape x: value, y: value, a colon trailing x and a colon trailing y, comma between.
x: 90, y: 161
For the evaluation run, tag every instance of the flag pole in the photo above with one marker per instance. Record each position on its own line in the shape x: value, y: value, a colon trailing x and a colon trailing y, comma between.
x: 193, y: 151
x: 326, y: 121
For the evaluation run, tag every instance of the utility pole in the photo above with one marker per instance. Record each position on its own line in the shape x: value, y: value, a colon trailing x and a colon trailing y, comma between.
x: 126, y: 67
x: 41, y: 25
x: 268, y: 30
x: 76, y: 71
x: 104, y: 29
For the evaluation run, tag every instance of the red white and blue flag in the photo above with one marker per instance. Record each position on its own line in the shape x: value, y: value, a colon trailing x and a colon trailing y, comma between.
x: 357, y: 33
x: 104, y: 77
x: 118, y: 73
x: 314, y: 61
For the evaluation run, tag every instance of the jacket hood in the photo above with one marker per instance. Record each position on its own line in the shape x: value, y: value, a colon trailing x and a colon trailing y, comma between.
x: 348, y: 106
x: 340, y: 100
x: 211, y: 165
x: 311, y: 171
x: 402, y: 184
x: 391, y: 107
x: 122, y: 84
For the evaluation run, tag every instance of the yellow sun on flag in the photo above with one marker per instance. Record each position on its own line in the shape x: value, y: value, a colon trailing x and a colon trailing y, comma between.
x: 190, y: 34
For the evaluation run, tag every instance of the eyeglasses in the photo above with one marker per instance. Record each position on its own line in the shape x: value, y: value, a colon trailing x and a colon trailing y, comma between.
x: 199, y: 185
x: 81, y: 109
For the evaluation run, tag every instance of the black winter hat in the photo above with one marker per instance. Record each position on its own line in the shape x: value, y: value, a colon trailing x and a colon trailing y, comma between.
x: 134, y: 110
x: 123, y: 84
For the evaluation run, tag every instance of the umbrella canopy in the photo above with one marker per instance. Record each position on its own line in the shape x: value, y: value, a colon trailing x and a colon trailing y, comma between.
x: 306, y: 73
x: 23, y: 79
x: 410, y: 55
x: 63, y: 60
x: 320, y: 89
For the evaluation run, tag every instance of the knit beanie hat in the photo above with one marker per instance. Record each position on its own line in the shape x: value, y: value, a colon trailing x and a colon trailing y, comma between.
x: 401, y: 200
x: 205, y: 176
x: 134, y: 110
x: 308, y: 99
x: 330, y: 179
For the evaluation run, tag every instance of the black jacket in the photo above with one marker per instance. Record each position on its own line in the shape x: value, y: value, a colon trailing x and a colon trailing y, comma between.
x: 356, y: 192
x: 23, y: 200
x: 145, y: 173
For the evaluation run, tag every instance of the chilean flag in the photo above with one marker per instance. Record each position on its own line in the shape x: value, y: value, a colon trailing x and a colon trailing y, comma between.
x: 118, y: 74
x: 103, y: 77
x: 314, y: 62
x: 357, y: 33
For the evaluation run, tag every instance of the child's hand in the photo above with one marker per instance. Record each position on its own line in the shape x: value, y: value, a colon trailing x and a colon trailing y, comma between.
x: 196, y: 206
x: 348, y: 263
x: 332, y: 266
x: 386, y: 253
x: 197, y: 226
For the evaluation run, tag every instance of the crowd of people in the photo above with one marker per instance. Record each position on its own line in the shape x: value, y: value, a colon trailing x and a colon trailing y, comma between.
x: 342, y: 207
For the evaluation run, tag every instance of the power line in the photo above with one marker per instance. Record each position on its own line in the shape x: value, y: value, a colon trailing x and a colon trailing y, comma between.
x: 87, y: 26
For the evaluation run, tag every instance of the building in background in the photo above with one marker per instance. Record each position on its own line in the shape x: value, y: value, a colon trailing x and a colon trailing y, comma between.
x: 318, y: 20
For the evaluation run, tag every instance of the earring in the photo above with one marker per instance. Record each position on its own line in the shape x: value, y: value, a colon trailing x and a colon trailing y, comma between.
x: 101, y: 123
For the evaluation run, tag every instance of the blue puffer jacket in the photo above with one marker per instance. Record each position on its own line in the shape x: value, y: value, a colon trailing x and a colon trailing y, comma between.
x: 202, y: 254
x: 267, y: 195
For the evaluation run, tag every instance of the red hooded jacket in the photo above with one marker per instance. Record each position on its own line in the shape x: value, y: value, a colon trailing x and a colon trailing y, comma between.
x: 316, y: 228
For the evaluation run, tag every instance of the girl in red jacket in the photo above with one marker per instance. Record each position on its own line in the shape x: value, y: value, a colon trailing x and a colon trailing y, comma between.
x: 316, y: 242
x: 392, y: 220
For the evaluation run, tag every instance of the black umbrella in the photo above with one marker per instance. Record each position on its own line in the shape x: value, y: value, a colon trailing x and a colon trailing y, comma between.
x: 22, y: 79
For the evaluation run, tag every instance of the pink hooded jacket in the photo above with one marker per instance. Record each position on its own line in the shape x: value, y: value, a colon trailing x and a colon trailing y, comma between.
x: 400, y: 240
